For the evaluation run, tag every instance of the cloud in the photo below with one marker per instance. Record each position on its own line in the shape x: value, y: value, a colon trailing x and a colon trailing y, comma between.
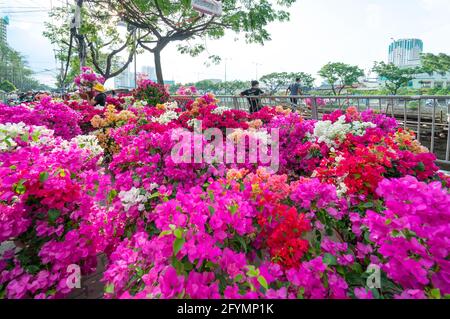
x: 440, y: 7
x: 374, y: 16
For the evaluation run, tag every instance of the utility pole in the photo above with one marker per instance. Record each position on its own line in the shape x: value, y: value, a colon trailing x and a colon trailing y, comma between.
x: 61, y: 79
x: 135, y: 58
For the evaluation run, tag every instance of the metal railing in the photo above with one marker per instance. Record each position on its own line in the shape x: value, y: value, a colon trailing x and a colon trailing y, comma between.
x: 427, y: 116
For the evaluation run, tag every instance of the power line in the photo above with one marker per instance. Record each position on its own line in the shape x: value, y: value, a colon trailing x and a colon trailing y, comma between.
x: 25, y: 11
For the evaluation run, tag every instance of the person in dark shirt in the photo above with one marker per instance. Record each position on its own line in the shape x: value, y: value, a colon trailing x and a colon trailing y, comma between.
x: 100, y: 97
x: 294, y: 90
x: 255, y: 103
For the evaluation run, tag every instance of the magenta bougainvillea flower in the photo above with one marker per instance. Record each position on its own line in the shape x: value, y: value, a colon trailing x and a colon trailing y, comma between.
x: 354, y: 197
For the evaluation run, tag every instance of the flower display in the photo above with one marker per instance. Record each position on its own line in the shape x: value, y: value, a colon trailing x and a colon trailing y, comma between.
x: 87, y: 80
x: 353, y: 192
x: 182, y: 90
x: 151, y: 92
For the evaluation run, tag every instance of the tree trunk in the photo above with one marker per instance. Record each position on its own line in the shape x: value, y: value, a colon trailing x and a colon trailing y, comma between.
x: 158, y: 67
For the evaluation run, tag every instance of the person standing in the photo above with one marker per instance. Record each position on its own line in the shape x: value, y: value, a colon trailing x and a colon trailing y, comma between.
x: 294, y: 90
x: 255, y: 103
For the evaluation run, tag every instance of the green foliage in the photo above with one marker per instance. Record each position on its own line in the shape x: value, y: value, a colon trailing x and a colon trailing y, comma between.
x: 152, y: 93
x: 102, y: 36
x: 277, y: 81
x: 14, y: 71
x: 7, y: 86
x: 435, y: 63
x: 340, y: 75
x: 166, y: 21
x: 395, y: 77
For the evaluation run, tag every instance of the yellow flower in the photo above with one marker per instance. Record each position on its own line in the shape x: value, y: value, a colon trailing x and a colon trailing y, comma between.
x: 234, y: 174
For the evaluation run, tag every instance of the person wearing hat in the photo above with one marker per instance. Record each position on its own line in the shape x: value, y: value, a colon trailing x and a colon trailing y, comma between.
x: 100, y: 97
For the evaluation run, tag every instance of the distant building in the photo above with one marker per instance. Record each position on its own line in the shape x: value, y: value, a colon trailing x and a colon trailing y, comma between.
x: 150, y: 71
x: 125, y: 80
x: 406, y: 52
x: 4, y: 22
x: 434, y: 81
x: 369, y: 84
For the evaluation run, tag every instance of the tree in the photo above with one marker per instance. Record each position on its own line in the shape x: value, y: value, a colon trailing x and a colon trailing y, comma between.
x: 394, y: 76
x: 104, y: 43
x: 340, y: 75
x: 7, y: 86
x: 232, y: 87
x: 435, y: 63
x: 166, y: 21
x: 276, y: 81
x: 14, y: 69
x: 208, y: 86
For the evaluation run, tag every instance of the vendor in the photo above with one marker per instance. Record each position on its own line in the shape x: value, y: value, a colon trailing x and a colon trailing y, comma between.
x: 100, y: 96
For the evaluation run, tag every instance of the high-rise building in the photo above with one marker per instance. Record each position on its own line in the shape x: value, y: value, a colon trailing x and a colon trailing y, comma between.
x: 150, y: 72
x: 125, y: 80
x: 406, y: 52
x: 4, y: 22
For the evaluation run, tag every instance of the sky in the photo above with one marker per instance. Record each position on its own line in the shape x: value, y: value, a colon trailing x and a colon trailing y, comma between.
x: 357, y: 32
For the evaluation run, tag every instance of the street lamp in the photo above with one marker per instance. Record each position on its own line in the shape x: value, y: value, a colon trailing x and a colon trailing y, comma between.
x: 226, y: 60
x: 256, y: 67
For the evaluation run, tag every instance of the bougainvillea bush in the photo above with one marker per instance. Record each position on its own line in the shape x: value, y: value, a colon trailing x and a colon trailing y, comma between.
x: 356, y: 209
x: 150, y: 92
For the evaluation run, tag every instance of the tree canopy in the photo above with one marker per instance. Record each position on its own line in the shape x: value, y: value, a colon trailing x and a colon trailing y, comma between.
x: 435, y: 63
x: 277, y: 81
x: 166, y: 21
x: 394, y: 76
x: 104, y: 42
x: 14, y: 69
x: 340, y: 75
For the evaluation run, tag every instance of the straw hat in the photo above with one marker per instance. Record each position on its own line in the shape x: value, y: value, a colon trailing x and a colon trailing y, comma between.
x: 99, y: 88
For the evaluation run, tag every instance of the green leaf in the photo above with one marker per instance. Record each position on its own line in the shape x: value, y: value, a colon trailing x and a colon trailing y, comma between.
x: 178, y: 233
x: 233, y: 209
x: 25, y: 137
x: 420, y: 167
x: 19, y: 188
x: 53, y: 215
x: 435, y: 293
x: 329, y: 259
x: 252, y: 271
x: 367, y: 205
x: 375, y: 293
x: 212, y: 211
x: 43, y: 177
x: 238, y: 278
x: 109, y: 289
x: 165, y: 233
x: 211, y: 195
x: 263, y: 282
x: 111, y: 195
x: 177, y: 245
